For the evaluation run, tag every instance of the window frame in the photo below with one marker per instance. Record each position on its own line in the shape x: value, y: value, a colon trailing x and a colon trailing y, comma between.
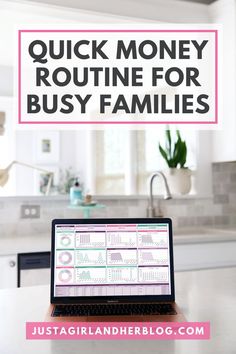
x: 202, y: 181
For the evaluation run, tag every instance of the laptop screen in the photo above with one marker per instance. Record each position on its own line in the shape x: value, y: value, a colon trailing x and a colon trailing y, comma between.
x: 111, y: 259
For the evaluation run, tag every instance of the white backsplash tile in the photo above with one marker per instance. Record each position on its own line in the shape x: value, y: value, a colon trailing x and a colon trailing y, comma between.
x: 185, y: 212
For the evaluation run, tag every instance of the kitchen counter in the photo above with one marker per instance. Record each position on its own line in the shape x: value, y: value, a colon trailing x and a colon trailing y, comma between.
x: 14, y: 244
x: 208, y: 295
x: 23, y: 244
x: 204, y: 235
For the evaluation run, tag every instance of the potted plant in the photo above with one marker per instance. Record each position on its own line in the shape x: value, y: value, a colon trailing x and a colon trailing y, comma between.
x: 175, y: 155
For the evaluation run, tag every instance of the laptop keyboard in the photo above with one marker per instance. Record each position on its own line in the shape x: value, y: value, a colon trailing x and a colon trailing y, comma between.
x: 113, y: 310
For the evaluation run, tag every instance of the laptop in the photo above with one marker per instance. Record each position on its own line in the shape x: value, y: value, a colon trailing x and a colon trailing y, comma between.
x: 112, y: 270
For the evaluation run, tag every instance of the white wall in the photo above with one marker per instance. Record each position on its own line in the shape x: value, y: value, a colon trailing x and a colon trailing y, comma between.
x: 16, y: 15
x: 25, y: 152
x: 7, y: 144
x: 224, y: 141
x: 218, y: 146
x: 6, y: 80
x: 156, y: 10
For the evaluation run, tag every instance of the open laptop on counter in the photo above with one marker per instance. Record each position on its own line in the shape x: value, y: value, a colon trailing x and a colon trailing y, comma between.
x: 112, y: 270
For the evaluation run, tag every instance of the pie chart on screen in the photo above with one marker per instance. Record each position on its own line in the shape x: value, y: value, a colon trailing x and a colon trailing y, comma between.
x: 65, y: 241
x: 65, y: 258
x: 65, y: 275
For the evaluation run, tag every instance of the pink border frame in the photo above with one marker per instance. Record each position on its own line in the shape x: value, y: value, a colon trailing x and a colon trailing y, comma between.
x: 119, y: 122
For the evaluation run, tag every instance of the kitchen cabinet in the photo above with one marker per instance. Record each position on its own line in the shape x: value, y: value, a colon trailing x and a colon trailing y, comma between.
x: 202, y: 249
x: 8, y: 271
x: 10, y: 247
x: 195, y: 256
x: 33, y: 268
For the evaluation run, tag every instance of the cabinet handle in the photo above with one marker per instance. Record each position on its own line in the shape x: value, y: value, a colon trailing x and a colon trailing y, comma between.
x: 12, y: 264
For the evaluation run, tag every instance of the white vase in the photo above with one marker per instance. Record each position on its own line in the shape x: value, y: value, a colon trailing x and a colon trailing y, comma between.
x: 179, y: 180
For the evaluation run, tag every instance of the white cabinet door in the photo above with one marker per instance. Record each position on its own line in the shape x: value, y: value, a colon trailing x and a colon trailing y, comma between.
x: 31, y: 277
x: 8, y: 271
x: 204, y: 255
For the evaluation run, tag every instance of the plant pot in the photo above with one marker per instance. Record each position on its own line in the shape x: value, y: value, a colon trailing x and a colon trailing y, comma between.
x: 179, y: 180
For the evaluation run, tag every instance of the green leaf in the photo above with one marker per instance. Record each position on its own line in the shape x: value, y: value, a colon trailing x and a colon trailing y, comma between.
x: 176, y: 154
x: 168, y: 142
x: 183, y: 154
x: 174, y: 157
x: 178, y: 134
x: 164, y: 154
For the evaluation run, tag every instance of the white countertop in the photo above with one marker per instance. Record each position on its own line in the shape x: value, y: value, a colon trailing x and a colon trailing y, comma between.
x: 14, y: 244
x: 204, y: 234
x: 24, y: 244
x: 208, y: 295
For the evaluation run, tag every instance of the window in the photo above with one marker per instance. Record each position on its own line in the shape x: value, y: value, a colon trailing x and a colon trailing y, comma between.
x: 126, y: 159
x: 110, y: 161
x: 150, y: 160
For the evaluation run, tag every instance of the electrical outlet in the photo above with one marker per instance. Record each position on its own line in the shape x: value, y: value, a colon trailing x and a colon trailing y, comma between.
x: 30, y: 211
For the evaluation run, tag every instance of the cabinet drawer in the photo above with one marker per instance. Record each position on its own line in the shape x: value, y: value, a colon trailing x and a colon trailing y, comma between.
x: 8, y: 271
